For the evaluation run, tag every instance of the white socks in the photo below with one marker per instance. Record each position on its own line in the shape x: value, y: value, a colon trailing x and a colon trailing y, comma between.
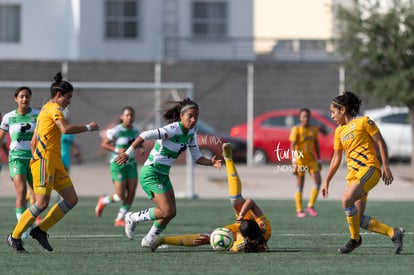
x: 141, y: 216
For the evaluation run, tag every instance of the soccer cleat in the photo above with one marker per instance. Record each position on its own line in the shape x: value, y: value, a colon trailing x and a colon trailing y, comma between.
x: 301, y: 214
x: 130, y: 226
x: 120, y: 223
x: 158, y: 243
x: 227, y: 151
x: 146, y: 243
x: 99, y: 207
x: 41, y: 236
x: 311, y: 211
x: 16, y: 244
x: 397, y: 239
x: 350, y: 246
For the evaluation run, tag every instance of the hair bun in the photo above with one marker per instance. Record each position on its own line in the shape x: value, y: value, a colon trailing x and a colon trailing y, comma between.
x: 58, y: 77
x: 186, y: 101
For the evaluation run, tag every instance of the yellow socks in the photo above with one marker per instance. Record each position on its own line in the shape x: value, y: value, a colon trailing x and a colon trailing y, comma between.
x: 55, y: 214
x: 313, y: 196
x: 183, y: 240
x: 353, y: 224
x: 234, y: 183
x: 298, y: 200
x: 370, y: 224
x: 24, y: 222
x: 352, y: 217
x: 379, y: 227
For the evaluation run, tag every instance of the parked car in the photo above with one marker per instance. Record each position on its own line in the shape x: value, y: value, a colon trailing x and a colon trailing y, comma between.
x: 271, y: 132
x: 395, y: 128
x: 209, y: 141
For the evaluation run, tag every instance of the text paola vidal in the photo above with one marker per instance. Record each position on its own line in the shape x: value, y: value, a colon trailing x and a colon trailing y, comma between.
x: 287, y: 154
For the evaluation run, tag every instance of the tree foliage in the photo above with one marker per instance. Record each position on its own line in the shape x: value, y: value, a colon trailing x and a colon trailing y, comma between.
x: 377, y: 44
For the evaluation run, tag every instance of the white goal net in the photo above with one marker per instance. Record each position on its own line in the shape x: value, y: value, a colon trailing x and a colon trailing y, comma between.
x: 103, y: 102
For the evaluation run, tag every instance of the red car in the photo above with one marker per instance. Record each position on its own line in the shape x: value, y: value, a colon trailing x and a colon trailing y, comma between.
x: 271, y: 134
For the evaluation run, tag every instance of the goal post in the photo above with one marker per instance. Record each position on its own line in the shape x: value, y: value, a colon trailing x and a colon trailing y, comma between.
x: 103, y: 102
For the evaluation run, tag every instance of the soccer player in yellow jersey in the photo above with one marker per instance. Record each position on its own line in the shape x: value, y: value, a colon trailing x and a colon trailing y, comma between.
x: 47, y: 167
x: 357, y: 136
x: 251, y: 231
x: 305, y: 158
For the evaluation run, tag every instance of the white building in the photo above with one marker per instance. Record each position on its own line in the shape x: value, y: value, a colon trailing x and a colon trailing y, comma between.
x: 145, y: 30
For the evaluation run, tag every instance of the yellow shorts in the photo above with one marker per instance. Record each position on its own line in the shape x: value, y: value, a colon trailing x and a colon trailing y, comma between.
x: 367, y: 177
x: 47, y: 176
x: 311, y: 167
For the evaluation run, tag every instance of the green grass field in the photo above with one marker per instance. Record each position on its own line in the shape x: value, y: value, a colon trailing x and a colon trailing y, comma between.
x: 85, y: 244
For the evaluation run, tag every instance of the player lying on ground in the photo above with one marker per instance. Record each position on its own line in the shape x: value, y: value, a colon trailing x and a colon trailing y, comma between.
x: 251, y: 230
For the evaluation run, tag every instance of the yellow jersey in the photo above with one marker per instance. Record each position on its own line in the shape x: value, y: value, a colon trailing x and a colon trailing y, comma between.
x: 355, y: 138
x: 305, y: 139
x: 48, y: 134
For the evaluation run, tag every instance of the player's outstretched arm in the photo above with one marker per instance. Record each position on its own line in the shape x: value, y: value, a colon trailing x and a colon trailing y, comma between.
x: 210, y: 162
x: 67, y: 128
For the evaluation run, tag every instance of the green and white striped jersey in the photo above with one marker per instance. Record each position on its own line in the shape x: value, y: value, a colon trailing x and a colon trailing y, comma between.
x: 122, y: 138
x: 20, y: 128
x: 171, y: 142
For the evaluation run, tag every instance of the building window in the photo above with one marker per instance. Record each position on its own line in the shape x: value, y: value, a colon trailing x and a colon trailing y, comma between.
x: 9, y: 23
x: 209, y: 20
x: 122, y: 19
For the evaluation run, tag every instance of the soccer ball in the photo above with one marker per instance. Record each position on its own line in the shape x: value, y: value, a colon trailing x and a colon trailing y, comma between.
x: 221, y: 239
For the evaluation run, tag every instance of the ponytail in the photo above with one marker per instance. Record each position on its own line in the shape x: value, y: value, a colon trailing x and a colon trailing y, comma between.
x: 349, y: 101
x: 173, y: 114
x: 59, y: 85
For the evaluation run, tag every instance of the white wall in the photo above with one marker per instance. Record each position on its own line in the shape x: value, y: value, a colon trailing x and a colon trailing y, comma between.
x: 93, y: 44
x: 150, y: 45
x: 44, y: 30
x: 74, y: 29
x: 240, y: 16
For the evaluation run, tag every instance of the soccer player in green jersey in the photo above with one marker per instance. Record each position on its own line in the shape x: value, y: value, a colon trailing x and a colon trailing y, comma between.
x: 171, y: 141
x: 20, y: 124
x: 124, y: 177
